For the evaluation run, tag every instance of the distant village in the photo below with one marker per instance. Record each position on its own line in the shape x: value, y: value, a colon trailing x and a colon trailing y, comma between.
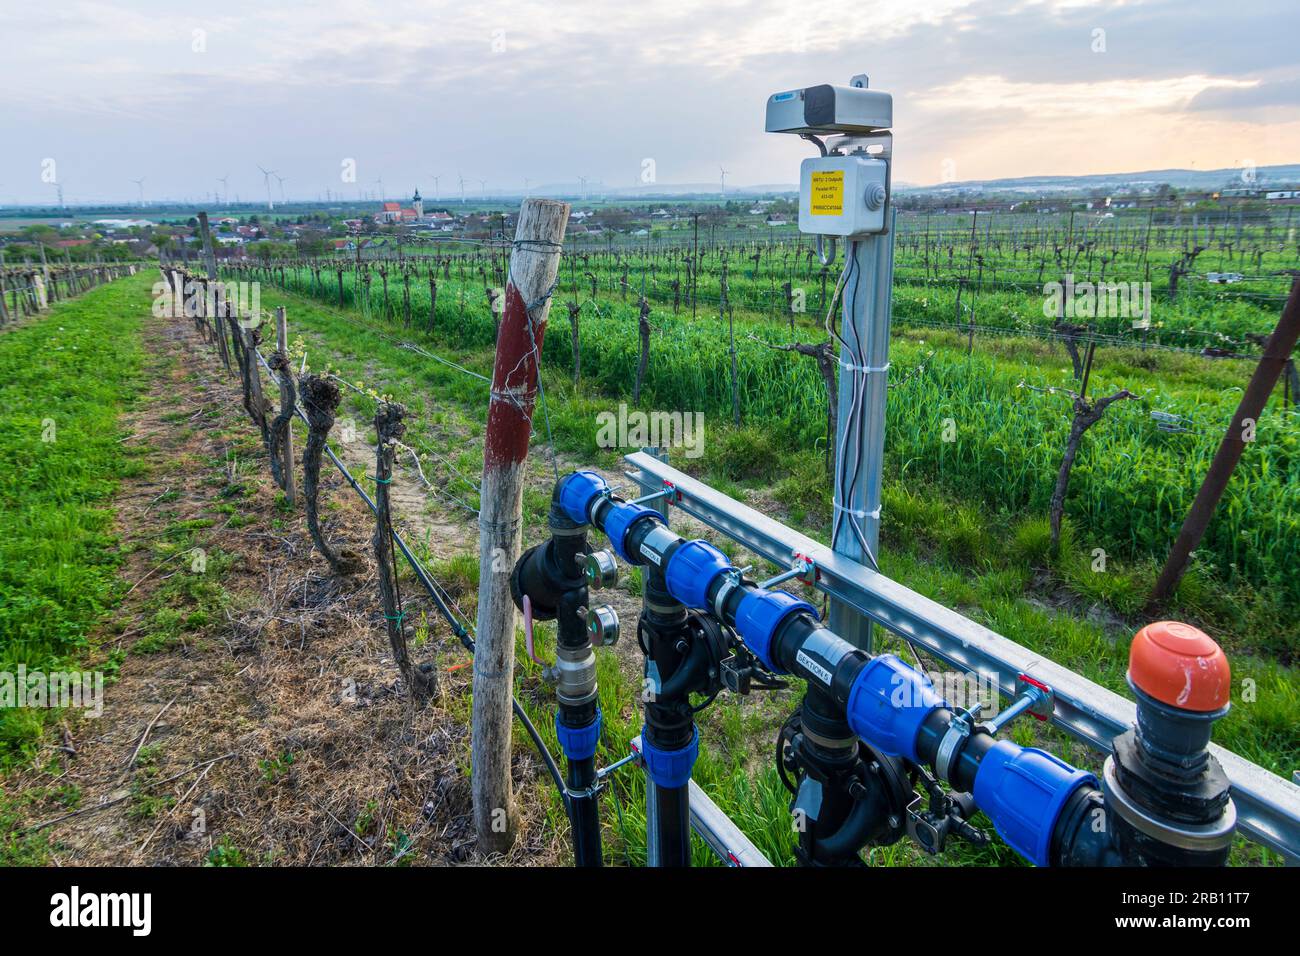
x: 322, y: 231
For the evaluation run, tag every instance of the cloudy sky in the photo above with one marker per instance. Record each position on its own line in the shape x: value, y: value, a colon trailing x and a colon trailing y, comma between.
x: 548, y: 92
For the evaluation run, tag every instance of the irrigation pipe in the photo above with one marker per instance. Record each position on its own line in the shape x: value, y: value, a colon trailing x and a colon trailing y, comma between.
x: 432, y: 587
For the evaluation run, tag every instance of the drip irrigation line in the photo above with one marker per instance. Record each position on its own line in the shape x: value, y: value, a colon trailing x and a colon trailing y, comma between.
x: 393, y: 340
x: 435, y: 591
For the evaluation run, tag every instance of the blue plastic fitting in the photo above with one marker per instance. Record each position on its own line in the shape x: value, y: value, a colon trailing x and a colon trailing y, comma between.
x: 619, y: 519
x: 1023, y: 790
x: 578, y: 743
x: 670, y: 768
x: 577, y: 491
x: 691, y: 571
x: 759, y: 615
x: 888, y: 704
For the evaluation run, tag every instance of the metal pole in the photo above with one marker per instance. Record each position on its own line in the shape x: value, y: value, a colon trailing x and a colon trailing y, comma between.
x: 1253, y: 401
x: 860, y: 431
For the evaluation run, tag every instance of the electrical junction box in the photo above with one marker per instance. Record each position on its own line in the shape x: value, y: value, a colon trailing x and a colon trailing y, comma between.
x: 842, y: 195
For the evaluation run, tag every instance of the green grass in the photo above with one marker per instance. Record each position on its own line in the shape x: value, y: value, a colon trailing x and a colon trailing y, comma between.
x: 65, y: 380
x: 985, y: 559
x: 1129, y: 491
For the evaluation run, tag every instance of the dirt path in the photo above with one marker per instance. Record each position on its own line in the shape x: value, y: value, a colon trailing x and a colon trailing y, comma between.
x: 255, y: 718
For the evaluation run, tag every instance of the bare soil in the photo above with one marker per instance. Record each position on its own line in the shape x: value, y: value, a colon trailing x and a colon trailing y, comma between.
x: 277, y: 733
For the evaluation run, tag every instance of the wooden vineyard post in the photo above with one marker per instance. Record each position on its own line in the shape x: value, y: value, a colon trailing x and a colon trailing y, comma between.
x: 534, y: 264
x: 1276, y: 353
x: 210, y: 258
x: 249, y: 340
x: 285, y: 440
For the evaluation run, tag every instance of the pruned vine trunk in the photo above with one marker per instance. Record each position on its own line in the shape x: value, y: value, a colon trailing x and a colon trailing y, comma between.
x: 279, y: 428
x: 1086, y: 414
x: 575, y: 313
x: 643, y: 330
x: 320, y: 400
x: 421, y: 682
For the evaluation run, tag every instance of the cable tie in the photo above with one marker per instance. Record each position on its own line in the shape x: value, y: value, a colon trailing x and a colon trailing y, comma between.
x: 856, y: 513
x: 865, y: 369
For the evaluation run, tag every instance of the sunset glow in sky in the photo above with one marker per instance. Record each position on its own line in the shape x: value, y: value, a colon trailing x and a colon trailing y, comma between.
x: 504, y: 92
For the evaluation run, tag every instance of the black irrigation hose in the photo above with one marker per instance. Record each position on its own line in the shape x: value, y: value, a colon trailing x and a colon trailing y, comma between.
x: 461, y: 632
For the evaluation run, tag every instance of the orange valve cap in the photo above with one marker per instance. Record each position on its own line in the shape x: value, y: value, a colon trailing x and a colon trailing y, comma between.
x: 1180, y: 666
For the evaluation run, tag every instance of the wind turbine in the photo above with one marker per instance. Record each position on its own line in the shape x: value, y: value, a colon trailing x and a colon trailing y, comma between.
x: 462, y: 187
x: 266, y: 177
x: 583, y: 180
x: 723, y: 180
x: 281, y: 180
x: 140, y: 185
x: 436, y: 195
x: 225, y: 189
x: 482, y: 188
x: 383, y: 195
x: 526, y: 190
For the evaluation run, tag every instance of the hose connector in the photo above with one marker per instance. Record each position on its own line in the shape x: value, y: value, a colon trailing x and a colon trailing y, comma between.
x: 888, y: 704
x: 1167, y: 794
x: 692, y: 570
x: 1023, y: 791
x: 576, y: 491
x: 759, y: 615
x: 670, y: 768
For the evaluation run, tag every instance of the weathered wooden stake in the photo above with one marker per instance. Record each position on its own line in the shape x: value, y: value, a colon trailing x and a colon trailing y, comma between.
x: 534, y: 264
x: 285, y: 440
x: 210, y: 258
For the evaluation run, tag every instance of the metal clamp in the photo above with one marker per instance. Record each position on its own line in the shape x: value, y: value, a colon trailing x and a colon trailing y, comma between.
x: 801, y: 566
x: 1032, y: 696
x: 668, y: 492
x: 730, y: 581
x: 959, y: 728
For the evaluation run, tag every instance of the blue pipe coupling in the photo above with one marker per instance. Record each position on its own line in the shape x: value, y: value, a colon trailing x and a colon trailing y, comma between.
x: 692, y: 570
x: 759, y: 615
x: 619, y: 519
x: 670, y: 768
x: 1023, y: 791
x: 888, y: 704
x: 578, y: 743
x: 577, y: 491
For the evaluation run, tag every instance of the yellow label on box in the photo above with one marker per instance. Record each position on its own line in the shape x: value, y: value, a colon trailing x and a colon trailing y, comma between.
x: 826, y: 193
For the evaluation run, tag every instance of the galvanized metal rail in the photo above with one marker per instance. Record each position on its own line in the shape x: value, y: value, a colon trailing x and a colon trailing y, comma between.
x: 1268, y: 807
